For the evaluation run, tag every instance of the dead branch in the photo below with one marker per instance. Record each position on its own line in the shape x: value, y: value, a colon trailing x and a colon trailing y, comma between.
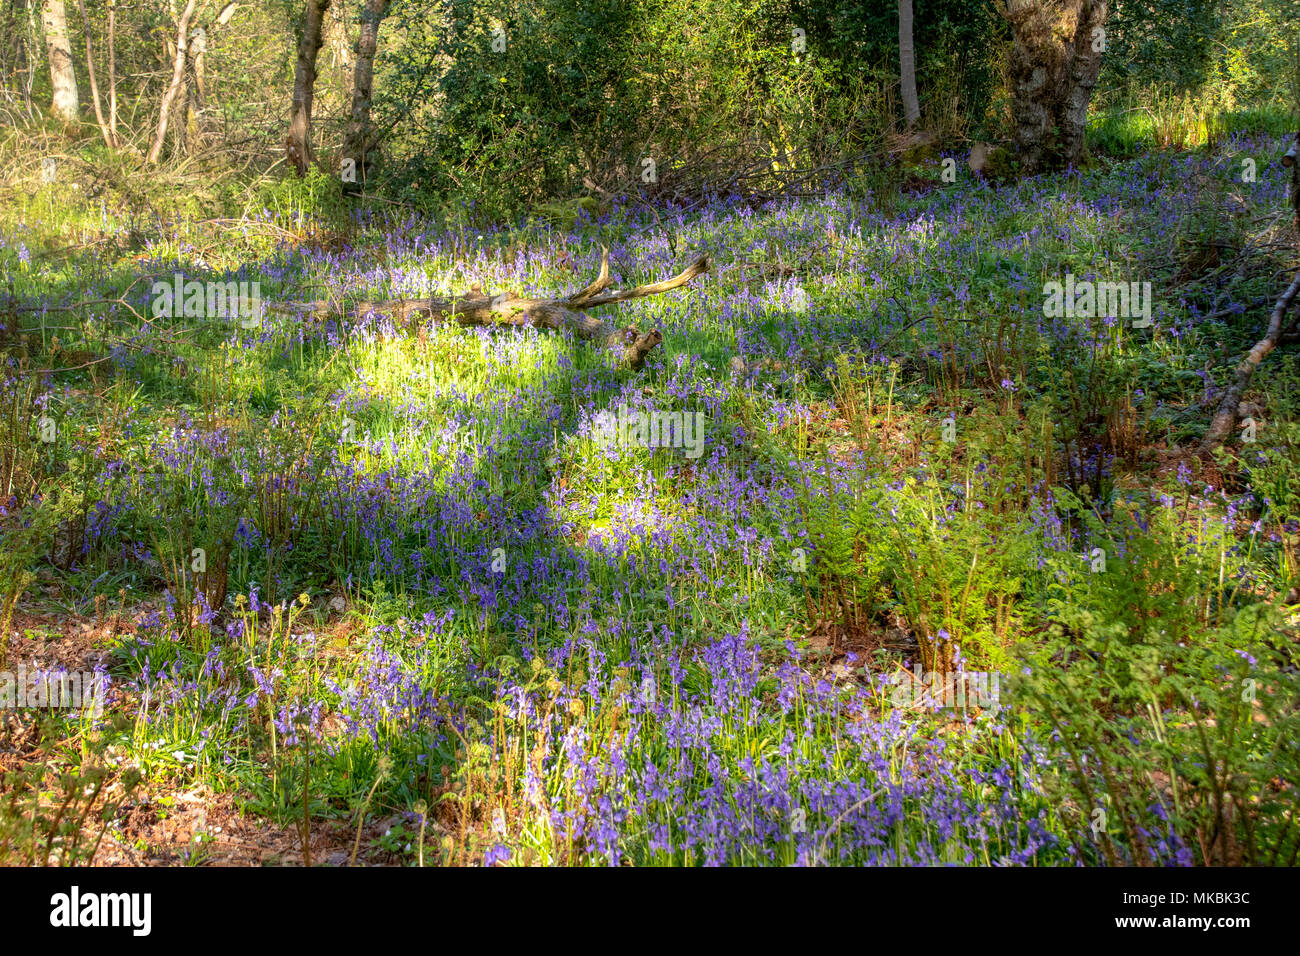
x: 475, y: 308
x: 1226, y: 416
x: 1289, y: 161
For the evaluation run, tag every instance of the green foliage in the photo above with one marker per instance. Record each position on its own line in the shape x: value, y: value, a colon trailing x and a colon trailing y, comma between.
x: 956, y: 44
x: 317, y: 196
x: 1166, y: 43
x: 585, y: 94
x: 566, y: 215
x: 1236, y: 52
x: 1272, y: 461
x: 1169, y: 710
x: 1163, y: 729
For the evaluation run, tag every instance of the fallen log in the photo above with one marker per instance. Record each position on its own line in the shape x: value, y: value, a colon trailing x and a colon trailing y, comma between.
x: 476, y: 308
x: 1225, y: 418
x: 1290, y: 161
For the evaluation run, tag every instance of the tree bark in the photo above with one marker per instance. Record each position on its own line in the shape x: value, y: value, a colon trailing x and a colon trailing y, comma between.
x: 336, y: 31
x: 199, y: 49
x: 178, y: 74
x: 356, y: 141
x: 15, y: 63
x: 907, y: 64
x: 63, y: 78
x: 1055, y: 61
x: 298, y: 144
x: 478, y: 309
x: 1292, y: 161
x: 195, y: 87
x: 1085, y: 67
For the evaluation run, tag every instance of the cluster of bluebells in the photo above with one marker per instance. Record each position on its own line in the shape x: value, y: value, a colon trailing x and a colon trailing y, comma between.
x: 719, y: 756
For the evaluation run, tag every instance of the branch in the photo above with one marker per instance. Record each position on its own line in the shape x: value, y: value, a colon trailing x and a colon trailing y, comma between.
x: 1226, y: 417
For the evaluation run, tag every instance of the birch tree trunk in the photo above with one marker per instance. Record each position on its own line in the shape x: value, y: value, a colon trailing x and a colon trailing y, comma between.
x: 63, y: 77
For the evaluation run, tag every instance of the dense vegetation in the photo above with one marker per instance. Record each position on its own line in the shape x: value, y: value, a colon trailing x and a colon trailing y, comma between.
x: 395, y: 589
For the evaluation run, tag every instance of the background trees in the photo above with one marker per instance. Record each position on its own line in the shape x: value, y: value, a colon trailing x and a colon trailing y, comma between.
x: 511, y: 104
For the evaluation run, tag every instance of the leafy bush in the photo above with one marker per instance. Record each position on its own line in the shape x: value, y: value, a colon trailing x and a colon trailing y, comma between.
x: 1171, y: 718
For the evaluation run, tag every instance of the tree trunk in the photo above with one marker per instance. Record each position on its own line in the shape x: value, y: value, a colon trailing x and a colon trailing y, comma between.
x: 178, y: 74
x: 298, y: 144
x: 195, y: 86
x: 63, y: 78
x: 336, y: 31
x: 14, y: 61
x: 112, y: 69
x: 1085, y: 67
x: 356, y: 141
x: 1055, y: 60
x: 907, y: 64
x: 199, y: 49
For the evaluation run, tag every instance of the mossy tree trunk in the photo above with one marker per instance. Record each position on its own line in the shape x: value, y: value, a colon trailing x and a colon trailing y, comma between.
x: 1055, y: 60
x: 357, y: 140
x: 310, y: 36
